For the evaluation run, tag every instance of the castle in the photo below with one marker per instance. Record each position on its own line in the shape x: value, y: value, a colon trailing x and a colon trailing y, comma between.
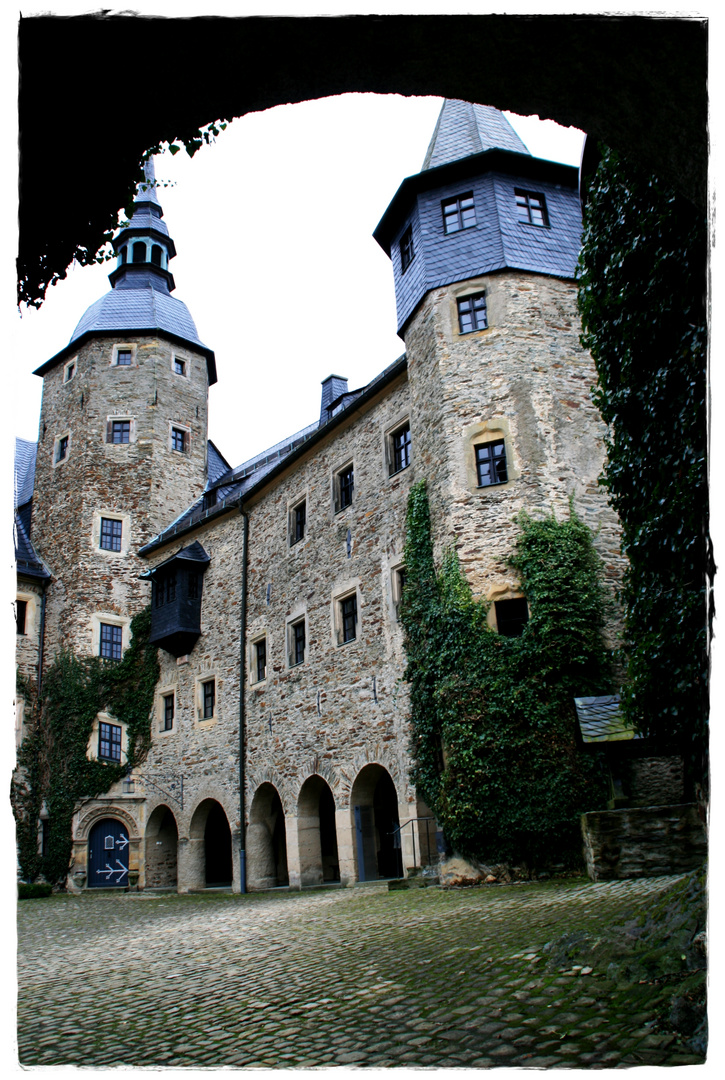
x: 280, y: 732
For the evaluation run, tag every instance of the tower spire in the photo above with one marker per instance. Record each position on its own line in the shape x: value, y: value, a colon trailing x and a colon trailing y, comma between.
x: 465, y: 128
x: 143, y: 245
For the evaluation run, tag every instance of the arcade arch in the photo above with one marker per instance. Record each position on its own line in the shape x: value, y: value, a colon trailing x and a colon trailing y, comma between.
x: 161, y: 855
x: 374, y: 804
x: 210, y: 847
x: 266, y: 840
x: 317, y: 833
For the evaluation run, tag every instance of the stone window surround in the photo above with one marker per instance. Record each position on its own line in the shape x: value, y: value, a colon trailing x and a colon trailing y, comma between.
x: 92, y: 748
x: 67, y: 434
x: 125, y: 418
x: 296, y: 616
x: 111, y: 619
x: 31, y: 609
x: 72, y: 363
x: 254, y: 640
x: 200, y: 720
x: 345, y: 589
x: 508, y: 590
x: 123, y: 347
x: 493, y: 430
x: 347, y: 463
x: 113, y: 515
x: 388, y: 431
x: 495, y: 310
x: 292, y: 504
x: 161, y: 693
x: 175, y: 424
x: 395, y: 587
x: 186, y: 361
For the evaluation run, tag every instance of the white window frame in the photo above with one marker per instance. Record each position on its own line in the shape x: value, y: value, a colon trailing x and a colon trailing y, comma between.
x: 111, y: 515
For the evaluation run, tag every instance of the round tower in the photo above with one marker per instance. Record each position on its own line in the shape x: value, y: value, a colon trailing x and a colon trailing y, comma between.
x: 122, y: 445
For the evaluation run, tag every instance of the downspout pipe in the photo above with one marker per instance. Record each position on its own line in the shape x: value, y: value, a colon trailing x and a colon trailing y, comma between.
x: 41, y: 643
x: 242, y: 715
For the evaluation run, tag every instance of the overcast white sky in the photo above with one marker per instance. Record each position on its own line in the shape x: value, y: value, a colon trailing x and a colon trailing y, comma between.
x: 276, y: 261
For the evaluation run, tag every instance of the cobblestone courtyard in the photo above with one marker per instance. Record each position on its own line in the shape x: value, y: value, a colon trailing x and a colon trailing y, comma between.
x: 354, y: 977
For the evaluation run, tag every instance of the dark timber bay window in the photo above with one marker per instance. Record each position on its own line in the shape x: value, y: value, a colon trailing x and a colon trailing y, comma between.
x: 21, y: 614
x: 124, y: 357
x: 297, y: 643
x: 491, y: 463
x: 345, y: 483
x: 62, y: 452
x: 298, y: 522
x: 111, y: 534
x: 178, y: 439
x: 170, y: 588
x: 177, y: 597
x: 209, y: 690
x: 111, y: 641
x: 512, y: 616
x: 472, y: 313
x: 458, y: 213
x: 169, y: 702
x: 260, y: 659
x: 109, y: 742
x: 119, y: 431
x: 400, y: 449
x: 531, y: 208
x: 348, y: 611
x: 407, y: 251
x: 193, y: 585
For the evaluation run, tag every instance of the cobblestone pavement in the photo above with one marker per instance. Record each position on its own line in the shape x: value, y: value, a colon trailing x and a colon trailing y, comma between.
x: 354, y: 977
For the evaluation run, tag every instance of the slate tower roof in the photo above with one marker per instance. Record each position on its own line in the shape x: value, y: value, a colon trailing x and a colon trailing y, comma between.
x: 140, y: 299
x: 467, y: 213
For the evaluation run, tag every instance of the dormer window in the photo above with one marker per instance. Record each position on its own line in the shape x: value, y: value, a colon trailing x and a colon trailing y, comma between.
x: 407, y: 252
x: 531, y: 208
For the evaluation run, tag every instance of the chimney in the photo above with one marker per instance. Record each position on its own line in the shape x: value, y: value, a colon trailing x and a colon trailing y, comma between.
x: 332, y: 387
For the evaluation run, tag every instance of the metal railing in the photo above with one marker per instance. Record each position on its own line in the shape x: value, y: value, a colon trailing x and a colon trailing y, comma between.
x: 399, y: 830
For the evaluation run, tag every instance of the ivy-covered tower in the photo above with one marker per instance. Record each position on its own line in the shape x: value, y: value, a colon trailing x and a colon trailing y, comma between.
x: 122, y: 445
x: 484, y: 242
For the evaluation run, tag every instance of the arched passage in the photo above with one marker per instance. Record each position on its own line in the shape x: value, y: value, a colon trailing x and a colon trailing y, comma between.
x: 108, y: 852
x: 211, y: 838
x: 162, y: 837
x: 316, y: 833
x: 374, y: 803
x: 266, y: 840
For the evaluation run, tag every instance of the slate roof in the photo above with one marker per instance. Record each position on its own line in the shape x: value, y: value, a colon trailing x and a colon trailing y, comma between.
x: 139, y: 309
x: 465, y: 128
x: 194, y: 553
x: 26, y: 560
x: 216, y: 464
x: 600, y: 720
x: 25, y: 454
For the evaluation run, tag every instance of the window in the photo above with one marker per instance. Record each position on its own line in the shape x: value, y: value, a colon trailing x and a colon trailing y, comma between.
x: 407, y: 252
x: 512, y: 616
x: 124, y: 357
x: 178, y: 439
x: 119, y: 431
x: 344, y: 485
x: 348, y: 612
x: 491, y: 463
x: 458, y: 213
x: 472, y: 313
x: 156, y: 254
x: 298, y: 522
x: 111, y: 641
x: 159, y: 593
x: 398, y: 584
x: 179, y: 366
x: 109, y: 742
x: 170, y: 588
x: 124, y: 255
x: 297, y: 641
x: 399, y: 449
x: 70, y: 371
x: 21, y: 615
x: 209, y: 698
x: 169, y: 703
x: 111, y: 534
x: 61, y: 452
x: 531, y: 208
x: 260, y: 659
x: 139, y: 252
x: 193, y: 585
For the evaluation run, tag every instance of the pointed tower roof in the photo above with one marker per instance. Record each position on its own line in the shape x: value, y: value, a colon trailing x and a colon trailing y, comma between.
x: 140, y: 299
x: 466, y: 128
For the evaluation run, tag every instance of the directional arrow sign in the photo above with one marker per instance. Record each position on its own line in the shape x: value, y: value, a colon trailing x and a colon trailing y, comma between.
x: 109, y: 872
x: 122, y: 871
x: 122, y: 843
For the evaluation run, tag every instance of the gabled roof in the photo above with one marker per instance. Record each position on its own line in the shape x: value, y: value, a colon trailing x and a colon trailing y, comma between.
x: 194, y: 553
x: 466, y: 128
x: 216, y: 464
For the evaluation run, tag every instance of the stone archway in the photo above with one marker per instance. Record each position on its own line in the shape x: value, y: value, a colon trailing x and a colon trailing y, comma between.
x: 209, y: 862
x: 266, y: 840
x: 317, y: 833
x: 162, y: 838
x: 374, y: 803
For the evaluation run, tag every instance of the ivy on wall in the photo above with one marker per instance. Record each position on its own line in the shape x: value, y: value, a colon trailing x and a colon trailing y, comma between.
x: 53, y: 766
x: 642, y: 289
x: 494, y: 729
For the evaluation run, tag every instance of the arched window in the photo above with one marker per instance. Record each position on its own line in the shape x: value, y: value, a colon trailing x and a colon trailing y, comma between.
x: 139, y: 252
x: 156, y: 255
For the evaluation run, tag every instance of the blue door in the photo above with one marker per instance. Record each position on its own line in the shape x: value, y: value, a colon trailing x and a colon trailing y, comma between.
x: 108, y: 854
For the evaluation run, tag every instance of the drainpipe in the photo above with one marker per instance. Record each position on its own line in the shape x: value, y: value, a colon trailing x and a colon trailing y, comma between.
x: 242, y: 748
x: 41, y: 642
